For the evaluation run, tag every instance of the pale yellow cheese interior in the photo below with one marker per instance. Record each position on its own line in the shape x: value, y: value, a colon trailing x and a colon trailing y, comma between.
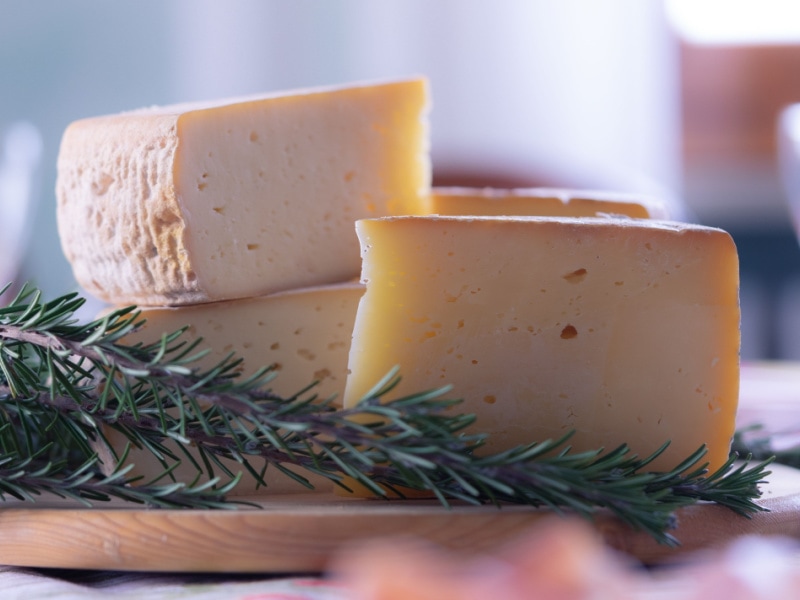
x: 305, y: 334
x: 205, y: 202
x: 626, y: 331
x: 543, y: 202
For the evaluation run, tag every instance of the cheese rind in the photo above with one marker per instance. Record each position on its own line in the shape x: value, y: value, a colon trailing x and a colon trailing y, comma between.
x: 543, y: 202
x: 625, y: 331
x: 305, y: 333
x: 204, y: 202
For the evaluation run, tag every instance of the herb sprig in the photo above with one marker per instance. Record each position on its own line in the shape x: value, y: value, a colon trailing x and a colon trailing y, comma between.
x: 64, y: 385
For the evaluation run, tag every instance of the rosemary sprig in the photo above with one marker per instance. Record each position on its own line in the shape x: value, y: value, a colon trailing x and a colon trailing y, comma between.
x: 63, y: 384
x: 29, y: 478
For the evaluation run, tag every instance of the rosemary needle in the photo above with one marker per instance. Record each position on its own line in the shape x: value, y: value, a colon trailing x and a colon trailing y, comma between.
x: 63, y: 383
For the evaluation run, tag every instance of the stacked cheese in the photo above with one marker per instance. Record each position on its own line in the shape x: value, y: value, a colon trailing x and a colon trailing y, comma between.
x: 582, y: 312
x: 237, y: 219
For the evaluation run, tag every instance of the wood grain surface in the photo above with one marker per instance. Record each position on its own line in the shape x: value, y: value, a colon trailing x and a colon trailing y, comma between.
x: 301, y: 533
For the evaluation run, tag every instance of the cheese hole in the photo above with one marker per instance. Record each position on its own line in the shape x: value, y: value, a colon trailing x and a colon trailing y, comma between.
x: 322, y: 374
x: 349, y: 176
x: 252, y: 246
x: 275, y: 346
x: 253, y: 136
x: 307, y: 354
x: 569, y: 332
x: 489, y: 399
x: 217, y: 209
x: 576, y: 276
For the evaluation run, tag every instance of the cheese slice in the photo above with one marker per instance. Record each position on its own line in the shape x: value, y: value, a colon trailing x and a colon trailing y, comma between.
x: 244, y: 197
x: 304, y: 333
x: 544, y: 202
x: 625, y: 331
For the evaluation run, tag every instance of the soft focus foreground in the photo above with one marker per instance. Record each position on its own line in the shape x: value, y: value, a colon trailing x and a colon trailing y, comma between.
x: 565, y: 560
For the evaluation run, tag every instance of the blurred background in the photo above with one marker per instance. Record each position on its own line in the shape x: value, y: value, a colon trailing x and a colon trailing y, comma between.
x: 679, y: 98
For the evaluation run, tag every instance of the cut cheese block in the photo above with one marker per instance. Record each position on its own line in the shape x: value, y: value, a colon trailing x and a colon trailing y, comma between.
x: 304, y: 333
x: 543, y: 202
x: 623, y: 330
x: 249, y: 196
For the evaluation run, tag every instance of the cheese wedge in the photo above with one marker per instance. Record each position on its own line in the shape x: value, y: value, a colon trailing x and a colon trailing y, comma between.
x: 304, y: 333
x: 625, y: 331
x: 238, y: 198
x: 543, y: 202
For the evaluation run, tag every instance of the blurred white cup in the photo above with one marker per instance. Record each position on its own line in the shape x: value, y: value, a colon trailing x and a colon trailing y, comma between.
x: 789, y: 158
x: 21, y: 151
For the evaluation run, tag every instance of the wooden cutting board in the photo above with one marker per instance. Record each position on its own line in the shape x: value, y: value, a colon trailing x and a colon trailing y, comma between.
x: 300, y: 533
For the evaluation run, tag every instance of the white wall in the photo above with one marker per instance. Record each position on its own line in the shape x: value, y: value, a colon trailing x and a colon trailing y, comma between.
x: 585, y: 86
